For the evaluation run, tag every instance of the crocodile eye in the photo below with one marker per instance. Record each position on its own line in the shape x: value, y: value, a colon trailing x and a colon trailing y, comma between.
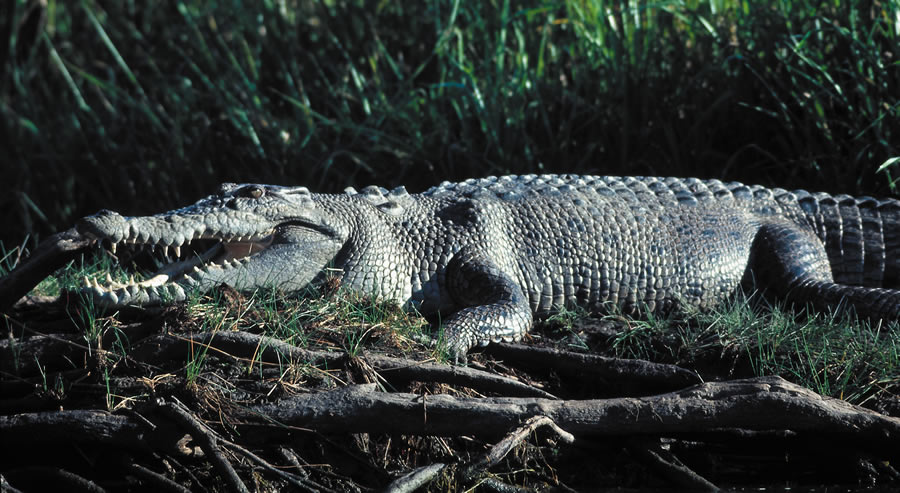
x: 254, y: 192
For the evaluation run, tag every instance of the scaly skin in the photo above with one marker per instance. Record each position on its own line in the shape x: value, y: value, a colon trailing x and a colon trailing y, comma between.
x: 492, y: 253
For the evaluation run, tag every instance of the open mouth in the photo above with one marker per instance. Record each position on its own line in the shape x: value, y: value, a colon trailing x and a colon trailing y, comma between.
x: 166, y: 269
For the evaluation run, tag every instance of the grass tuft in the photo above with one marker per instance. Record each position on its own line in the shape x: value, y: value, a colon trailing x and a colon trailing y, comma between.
x: 834, y: 354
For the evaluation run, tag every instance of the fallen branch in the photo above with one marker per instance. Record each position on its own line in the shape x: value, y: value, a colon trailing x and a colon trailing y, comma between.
x: 51, y: 254
x: 39, y: 353
x: 83, y: 426
x: 759, y: 404
x: 767, y: 403
x: 270, y: 350
x: 630, y: 376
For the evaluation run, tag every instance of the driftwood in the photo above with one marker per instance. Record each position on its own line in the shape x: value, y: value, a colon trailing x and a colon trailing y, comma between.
x: 50, y: 254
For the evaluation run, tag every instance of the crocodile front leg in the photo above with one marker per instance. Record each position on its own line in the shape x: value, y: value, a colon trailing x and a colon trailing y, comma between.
x: 496, y: 308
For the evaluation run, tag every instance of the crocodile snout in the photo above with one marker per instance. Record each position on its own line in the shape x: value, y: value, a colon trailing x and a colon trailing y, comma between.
x: 101, y: 224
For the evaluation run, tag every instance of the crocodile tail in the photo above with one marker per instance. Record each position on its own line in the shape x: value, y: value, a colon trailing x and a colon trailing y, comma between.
x: 861, y: 236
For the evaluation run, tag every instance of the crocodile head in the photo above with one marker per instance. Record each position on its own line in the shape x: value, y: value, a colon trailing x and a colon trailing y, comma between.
x: 247, y: 236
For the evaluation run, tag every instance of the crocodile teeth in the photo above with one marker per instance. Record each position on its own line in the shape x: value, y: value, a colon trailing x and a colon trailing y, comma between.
x: 112, y: 247
x: 87, y: 282
x: 165, y: 250
x: 178, y: 251
x: 109, y: 279
x: 175, y: 290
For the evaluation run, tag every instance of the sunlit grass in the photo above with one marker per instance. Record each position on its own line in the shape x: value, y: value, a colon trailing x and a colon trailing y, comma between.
x: 832, y: 353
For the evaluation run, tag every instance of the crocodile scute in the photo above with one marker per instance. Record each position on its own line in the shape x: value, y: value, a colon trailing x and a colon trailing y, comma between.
x: 491, y: 254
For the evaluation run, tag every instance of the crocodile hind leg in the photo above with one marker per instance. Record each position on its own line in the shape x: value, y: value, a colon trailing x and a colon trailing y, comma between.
x: 495, y: 307
x: 793, y: 263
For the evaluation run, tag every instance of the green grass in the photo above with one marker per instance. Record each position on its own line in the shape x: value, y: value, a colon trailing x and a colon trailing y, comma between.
x: 340, y: 320
x: 143, y: 107
x: 831, y: 353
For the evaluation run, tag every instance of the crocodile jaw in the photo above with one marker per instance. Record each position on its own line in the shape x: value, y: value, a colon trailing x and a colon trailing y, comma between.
x: 234, y: 251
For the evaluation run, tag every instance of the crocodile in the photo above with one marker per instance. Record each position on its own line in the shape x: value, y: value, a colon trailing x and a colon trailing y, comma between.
x: 491, y: 254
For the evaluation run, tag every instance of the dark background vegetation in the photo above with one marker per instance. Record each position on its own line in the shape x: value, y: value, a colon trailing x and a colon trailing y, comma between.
x: 141, y: 106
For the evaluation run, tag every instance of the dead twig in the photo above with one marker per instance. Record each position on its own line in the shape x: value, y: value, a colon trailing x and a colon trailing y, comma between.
x: 415, y: 479
x: 298, y: 462
x: 45, y: 478
x: 497, y: 486
x: 513, y: 439
x: 208, y: 442
x: 668, y: 466
x: 159, y: 481
x: 304, y: 484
